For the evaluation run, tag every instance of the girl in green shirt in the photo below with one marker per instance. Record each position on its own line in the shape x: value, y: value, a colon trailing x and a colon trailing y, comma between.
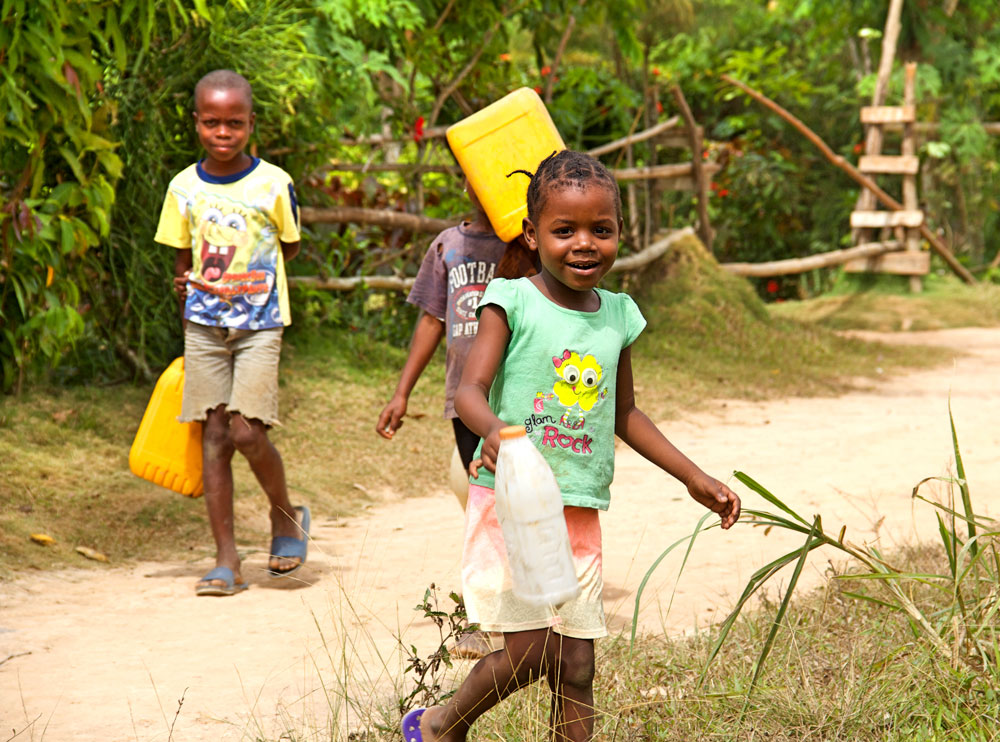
x: 553, y: 353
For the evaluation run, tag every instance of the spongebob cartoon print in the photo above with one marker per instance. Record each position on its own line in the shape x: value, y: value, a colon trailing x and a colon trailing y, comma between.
x: 237, y: 270
x: 220, y: 235
x: 577, y: 388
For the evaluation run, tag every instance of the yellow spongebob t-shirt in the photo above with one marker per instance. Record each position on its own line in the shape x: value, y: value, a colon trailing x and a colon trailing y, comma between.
x: 234, y: 226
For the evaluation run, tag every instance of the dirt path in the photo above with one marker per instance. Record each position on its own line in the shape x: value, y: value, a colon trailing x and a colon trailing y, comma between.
x: 92, y: 655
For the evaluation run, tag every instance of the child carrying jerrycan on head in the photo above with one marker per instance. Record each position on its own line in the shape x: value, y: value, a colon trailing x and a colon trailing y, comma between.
x: 462, y: 260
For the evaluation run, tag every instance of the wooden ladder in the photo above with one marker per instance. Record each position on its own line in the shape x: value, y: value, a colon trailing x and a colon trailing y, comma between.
x: 912, y: 261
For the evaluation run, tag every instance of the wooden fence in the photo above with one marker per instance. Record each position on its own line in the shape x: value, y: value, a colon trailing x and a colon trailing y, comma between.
x: 680, y: 131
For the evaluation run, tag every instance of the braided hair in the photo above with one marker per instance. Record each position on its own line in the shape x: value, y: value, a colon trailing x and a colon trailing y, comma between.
x: 566, y: 169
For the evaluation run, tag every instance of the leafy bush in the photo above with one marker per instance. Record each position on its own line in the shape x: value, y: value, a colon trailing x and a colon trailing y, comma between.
x: 59, y: 165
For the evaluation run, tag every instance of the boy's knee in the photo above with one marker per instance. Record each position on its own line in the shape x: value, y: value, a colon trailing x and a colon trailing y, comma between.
x: 575, y: 663
x: 246, y: 435
x: 215, y: 436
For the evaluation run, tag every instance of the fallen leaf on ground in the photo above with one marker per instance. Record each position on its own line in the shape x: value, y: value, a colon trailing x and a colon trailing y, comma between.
x: 42, y: 538
x: 91, y: 554
x: 62, y: 415
x: 657, y: 691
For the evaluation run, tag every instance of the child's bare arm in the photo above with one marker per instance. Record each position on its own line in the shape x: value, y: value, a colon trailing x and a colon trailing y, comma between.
x: 290, y: 249
x: 426, y: 336
x: 472, y: 398
x: 183, y: 261
x: 639, y: 432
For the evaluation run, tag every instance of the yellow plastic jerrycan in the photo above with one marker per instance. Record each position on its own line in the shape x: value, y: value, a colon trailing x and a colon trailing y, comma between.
x: 514, y: 133
x: 165, y: 451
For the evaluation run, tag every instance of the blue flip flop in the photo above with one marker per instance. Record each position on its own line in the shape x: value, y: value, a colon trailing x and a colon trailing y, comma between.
x: 411, y: 726
x: 226, y: 575
x: 289, y: 547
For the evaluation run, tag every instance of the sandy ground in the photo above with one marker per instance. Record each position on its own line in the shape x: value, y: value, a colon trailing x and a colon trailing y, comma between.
x: 132, y: 654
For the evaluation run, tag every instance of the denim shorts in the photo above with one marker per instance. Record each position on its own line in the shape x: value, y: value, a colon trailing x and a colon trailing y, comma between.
x: 235, y: 368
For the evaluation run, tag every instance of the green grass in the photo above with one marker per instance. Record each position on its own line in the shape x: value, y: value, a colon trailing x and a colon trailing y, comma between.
x: 65, y: 459
x: 840, y: 668
x: 865, y: 302
x: 64, y: 463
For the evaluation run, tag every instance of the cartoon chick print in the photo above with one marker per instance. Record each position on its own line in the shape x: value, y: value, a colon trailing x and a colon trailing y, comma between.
x: 576, y: 387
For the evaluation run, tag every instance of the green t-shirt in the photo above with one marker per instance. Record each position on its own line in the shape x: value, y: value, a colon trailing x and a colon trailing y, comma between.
x: 557, y: 378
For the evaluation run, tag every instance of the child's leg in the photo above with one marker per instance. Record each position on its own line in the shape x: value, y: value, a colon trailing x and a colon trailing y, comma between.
x: 254, y: 407
x: 250, y: 439
x: 522, y: 661
x: 566, y: 663
x: 217, y: 456
x: 571, y: 679
x: 207, y: 387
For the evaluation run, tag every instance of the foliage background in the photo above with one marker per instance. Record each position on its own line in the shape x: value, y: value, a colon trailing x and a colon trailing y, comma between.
x: 97, y: 98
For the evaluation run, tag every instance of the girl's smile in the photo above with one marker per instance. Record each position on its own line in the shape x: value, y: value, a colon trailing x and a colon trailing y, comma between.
x: 577, y: 241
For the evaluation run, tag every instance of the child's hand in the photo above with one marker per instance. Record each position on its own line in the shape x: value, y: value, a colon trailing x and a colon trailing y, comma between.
x: 491, y: 444
x: 391, y: 418
x: 180, y: 285
x: 717, y: 497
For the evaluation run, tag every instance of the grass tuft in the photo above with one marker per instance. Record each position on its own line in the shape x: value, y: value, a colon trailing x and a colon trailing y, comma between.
x: 877, y: 303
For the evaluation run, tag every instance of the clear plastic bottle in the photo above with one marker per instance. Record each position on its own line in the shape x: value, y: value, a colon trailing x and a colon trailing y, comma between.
x: 530, y: 509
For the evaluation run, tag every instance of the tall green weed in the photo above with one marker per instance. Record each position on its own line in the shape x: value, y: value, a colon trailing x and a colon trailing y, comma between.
x: 956, y: 615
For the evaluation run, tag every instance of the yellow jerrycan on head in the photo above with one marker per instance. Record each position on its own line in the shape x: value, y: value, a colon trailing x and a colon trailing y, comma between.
x: 165, y: 451
x: 514, y: 133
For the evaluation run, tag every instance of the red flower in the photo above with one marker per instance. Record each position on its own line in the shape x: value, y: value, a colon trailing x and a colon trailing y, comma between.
x: 546, y: 70
x: 538, y: 89
x: 704, y: 155
x: 655, y: 71
x: 772, y: 286
x: 714, y: 186
x: 418, y: 129
x: 858, y: 147
x: 723, y: 192
x: 659, y: 107
x: 505, y: 57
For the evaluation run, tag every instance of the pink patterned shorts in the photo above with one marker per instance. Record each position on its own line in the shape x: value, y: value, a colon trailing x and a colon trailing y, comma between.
x: 486, y: 579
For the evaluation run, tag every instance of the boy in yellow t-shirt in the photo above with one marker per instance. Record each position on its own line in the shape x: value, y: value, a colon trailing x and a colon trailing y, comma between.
x: 234, y: 221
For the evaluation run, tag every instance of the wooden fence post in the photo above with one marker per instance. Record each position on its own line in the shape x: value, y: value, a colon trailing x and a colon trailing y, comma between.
x: 700, y: 180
